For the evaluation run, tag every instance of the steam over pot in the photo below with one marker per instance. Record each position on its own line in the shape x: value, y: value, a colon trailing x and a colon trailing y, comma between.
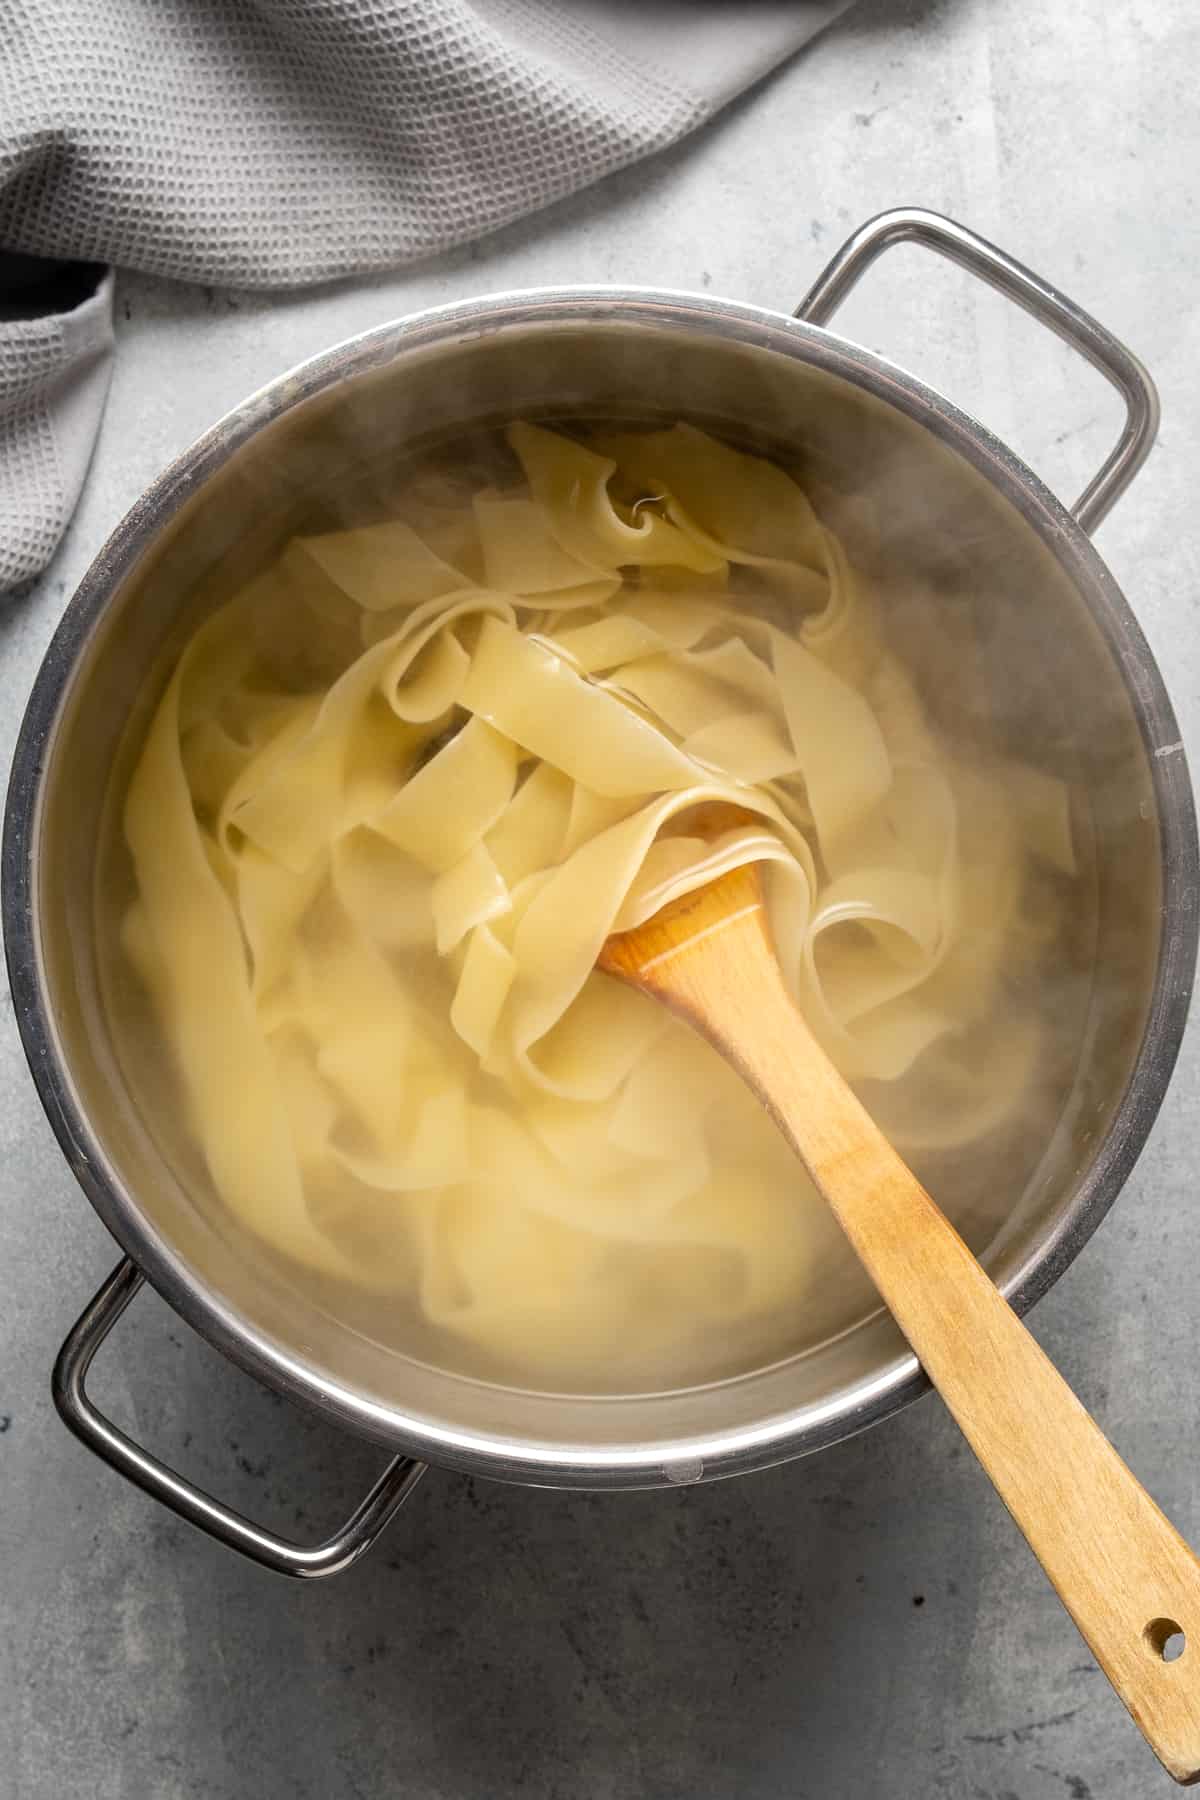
x: 1059, y: 632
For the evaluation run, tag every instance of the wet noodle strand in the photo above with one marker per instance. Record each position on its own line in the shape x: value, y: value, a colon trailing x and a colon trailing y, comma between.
x: 400, y: 789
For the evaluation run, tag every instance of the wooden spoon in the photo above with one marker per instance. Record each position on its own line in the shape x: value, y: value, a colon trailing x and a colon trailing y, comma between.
x: 1121, y: 1569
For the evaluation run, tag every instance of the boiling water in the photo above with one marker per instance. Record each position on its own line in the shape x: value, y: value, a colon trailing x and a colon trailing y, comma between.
x: 403, y: 783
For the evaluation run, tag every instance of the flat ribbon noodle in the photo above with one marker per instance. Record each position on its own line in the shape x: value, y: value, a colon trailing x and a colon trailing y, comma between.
x: 396, y: 795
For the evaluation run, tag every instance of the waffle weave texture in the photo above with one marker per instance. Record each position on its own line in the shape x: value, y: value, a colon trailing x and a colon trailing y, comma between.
x: 274, y: 143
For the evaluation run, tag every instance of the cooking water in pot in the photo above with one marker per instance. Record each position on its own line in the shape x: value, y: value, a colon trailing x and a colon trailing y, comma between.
x: 401, y: 786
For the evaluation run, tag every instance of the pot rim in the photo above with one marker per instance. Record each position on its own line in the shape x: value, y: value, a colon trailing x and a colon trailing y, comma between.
x: 899, y: 1383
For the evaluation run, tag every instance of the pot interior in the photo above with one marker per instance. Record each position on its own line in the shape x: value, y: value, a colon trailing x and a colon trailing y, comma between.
x: 1004, y: 643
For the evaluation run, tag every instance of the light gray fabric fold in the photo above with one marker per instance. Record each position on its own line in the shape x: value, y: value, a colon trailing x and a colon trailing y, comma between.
x: 260, y: 143
x: 54, y: 375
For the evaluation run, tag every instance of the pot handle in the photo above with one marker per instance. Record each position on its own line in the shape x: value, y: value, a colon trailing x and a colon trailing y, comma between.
x: 913, y: 225
x: 198, y: 1508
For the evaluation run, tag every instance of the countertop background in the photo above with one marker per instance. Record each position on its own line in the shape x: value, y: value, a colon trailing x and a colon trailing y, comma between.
x: 867, y: 1622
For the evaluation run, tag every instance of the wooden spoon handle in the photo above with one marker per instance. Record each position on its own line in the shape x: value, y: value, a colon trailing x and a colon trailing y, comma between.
x: 1124, y: 1573
x: 1127, y: 1578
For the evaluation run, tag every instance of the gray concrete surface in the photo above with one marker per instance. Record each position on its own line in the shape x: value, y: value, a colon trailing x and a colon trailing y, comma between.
x: 861, y: 1624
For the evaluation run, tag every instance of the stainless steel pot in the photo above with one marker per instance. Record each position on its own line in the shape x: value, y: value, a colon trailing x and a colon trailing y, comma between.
x: 1059, y: 634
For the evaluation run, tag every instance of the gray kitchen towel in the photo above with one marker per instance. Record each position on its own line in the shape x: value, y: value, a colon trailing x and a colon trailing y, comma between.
x: 270, y: 143
x: 54, y: 372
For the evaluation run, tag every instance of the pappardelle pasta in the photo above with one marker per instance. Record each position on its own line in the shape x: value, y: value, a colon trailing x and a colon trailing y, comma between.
x: 399, y: 790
